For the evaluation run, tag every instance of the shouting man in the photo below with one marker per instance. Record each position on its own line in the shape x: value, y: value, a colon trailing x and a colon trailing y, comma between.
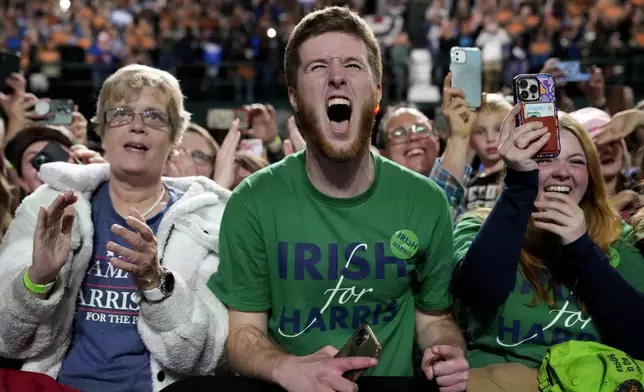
x: 334, y: 236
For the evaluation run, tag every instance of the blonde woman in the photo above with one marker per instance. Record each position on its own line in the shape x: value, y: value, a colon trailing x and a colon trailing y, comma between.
x: 552, y: 261
x: 104, y: 268
x: 475, y: 131
x: 195, y: 156
x: 247, y: 164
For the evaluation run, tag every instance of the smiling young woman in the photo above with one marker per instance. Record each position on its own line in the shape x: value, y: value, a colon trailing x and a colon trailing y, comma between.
x: 552, y: 261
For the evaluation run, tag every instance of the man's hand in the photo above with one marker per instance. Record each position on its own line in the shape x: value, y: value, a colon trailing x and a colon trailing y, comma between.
x: 446, y: 364
x: 320, y: 371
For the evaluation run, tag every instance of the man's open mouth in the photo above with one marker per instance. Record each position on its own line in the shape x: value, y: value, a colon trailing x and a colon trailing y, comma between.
x: 339, y: 112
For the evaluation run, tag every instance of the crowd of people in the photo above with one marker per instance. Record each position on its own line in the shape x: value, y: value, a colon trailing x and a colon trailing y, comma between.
x: 158, y: 253
x: 221, y: 49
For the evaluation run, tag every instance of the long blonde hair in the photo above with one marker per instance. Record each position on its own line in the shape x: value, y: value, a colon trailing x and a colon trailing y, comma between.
x: 603, y: 223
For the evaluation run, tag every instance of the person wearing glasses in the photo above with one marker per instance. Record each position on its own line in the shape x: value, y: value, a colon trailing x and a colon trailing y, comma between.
x: 473, y: 137
x: 195, y: 156
x: 104, y: 268
x: 34, y: 146
x: 409, y: 138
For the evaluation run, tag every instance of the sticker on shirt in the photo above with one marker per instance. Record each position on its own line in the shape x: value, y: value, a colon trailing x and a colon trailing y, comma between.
x: 404, y: 244
x: 538, y: 110
x: 630, y: 386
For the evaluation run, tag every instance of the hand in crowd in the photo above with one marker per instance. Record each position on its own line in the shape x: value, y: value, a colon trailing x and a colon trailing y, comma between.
x: 86, y: 156
x: 622, y: 125
x: 628, y: 200
x: 595, y: 88
x: 446, y: 364
x: 262, y: 121
x: 559, y: 214
x: 18, y: 106
x: 637, y: 221
x: 225, y: 161
x: 52, y: 238
x: 551, y: 66
x: 321, y: 371
x: 295, y: 141
x: 518, y: 146
x: 141, y: 260
x: 180, y: 164
x: 79, y: 126
x: 460, y: 118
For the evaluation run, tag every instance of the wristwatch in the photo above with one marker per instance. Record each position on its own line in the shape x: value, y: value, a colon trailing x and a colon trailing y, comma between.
x: 163, y: 290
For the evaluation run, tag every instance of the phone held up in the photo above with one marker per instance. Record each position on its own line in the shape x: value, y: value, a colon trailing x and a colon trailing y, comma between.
x: 57, y: 111
x: 244, y: 119
x: 52, y: 152
x: 536, y: 95
x: 9, y: 64
x: 252, y: 146
x: 465, y: 66
x: 363, y: 343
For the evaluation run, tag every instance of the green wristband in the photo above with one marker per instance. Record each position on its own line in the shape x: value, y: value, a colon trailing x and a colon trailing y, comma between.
x: 36, y: 288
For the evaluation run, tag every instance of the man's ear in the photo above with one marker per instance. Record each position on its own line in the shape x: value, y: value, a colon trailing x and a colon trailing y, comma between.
x: 292, y: 97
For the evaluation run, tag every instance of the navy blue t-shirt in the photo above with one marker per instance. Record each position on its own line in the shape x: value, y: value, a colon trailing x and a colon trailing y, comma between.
x: 107, y: 353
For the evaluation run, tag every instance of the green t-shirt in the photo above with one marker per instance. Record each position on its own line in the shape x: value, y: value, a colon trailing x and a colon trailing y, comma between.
x: 517, y: 332
x: 321, y: 266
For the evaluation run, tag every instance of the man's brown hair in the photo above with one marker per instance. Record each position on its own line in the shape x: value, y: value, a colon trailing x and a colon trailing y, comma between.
x: 328, y: 20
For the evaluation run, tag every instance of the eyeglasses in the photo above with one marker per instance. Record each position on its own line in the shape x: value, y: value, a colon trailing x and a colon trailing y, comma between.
x: 402, y: 134
x: 198, y: 157
x: 122, y: 116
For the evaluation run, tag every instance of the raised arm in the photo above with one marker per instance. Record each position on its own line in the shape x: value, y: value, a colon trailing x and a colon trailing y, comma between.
x: 486, y: 263
x: 27, y: 323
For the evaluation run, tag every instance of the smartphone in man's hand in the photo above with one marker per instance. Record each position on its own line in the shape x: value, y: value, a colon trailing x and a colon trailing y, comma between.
x: 363, y: 343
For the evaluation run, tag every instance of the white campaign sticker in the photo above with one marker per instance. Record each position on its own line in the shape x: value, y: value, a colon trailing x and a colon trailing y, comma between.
x: 538, y: 110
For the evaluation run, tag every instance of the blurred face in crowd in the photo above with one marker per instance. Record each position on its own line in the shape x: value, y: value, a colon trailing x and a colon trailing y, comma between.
x: 567, y: 173
x: 29, y: 180
x: 611, y: 158
x: 485, y: 135
x: 198, y: 149
x: 240, y: 174
x: 336, y: 95
x: 137, y: 138
x: 410, y: 141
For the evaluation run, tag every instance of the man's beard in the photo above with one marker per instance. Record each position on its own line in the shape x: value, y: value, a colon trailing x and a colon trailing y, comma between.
x: 311, y: 130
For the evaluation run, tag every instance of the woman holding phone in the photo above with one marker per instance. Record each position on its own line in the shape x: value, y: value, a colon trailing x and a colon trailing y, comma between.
x: 551, y: 261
